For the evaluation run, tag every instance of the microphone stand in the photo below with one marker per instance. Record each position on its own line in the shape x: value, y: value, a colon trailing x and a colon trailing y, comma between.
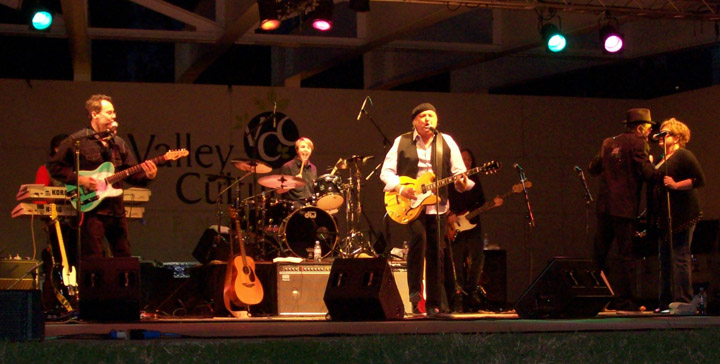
x: 386, y: 145
x: 78, y: 203
x: 667, y: 197
x: 588, y: 200
x: 529, y: 216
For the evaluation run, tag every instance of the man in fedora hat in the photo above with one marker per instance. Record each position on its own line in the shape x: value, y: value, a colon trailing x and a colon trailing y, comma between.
x: 623, y: 165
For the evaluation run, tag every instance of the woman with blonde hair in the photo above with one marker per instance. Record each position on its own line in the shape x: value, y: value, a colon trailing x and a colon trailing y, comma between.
x: 683, y: 175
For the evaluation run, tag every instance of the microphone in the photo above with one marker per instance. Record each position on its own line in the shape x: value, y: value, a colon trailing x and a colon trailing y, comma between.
x: 362, y: 108
x: 517, y: 166
x: 659, y: 135
x: 433, y: 130
x: 273, y: 114
x: 366, y: 159
x: 578, y: 170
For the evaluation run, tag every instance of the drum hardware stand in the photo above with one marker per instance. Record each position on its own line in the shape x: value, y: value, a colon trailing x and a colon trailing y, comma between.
x: 218, y: 237
x: 355, y: 243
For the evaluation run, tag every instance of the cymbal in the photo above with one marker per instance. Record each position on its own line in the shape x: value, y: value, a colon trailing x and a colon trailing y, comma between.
x: 281, y: 181
x: 251, y: 165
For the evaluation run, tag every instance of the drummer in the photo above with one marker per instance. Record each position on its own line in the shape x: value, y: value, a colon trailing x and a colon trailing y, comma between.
x: 300, y: 167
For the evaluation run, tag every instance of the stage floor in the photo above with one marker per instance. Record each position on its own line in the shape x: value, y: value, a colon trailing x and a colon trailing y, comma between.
x: 283, y: 327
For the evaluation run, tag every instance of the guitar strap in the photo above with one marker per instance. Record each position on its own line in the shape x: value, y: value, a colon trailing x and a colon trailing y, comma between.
x: 438, y: 155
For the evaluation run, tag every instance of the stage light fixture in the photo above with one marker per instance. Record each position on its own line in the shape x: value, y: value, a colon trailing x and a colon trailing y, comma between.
x: 268, y: 10
x: 359, y: 5
x: 41, y: 19
x: 554, y: 39
x: 611, y: 39
x: 323, y: 15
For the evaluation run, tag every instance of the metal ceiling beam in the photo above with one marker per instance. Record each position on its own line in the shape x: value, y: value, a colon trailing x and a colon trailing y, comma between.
x: 682, y: 9
x: 75, y: 16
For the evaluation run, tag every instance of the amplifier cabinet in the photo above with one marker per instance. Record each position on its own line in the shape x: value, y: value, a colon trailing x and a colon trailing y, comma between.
x: 300, y: 288
x: 13, y: 274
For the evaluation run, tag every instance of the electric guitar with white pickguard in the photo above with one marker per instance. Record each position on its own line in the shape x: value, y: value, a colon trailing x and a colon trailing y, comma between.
x: 105, y: 176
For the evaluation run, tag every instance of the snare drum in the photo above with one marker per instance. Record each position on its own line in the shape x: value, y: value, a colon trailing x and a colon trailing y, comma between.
x: 327, y: 189
x: 299, y: 231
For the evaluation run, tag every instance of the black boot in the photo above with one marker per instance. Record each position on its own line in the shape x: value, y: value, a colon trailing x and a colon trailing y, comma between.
x: 477, y: 299
x: 457, y: 302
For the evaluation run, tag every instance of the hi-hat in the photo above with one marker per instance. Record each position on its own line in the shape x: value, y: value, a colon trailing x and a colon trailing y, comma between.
x: 281, y: 181
x: 251, y: 165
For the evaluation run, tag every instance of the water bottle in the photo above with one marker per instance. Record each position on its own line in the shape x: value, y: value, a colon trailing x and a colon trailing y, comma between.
x: 486, y: 242
x: 317, y: 251
x: 405, y: 250
x: 702, y: 302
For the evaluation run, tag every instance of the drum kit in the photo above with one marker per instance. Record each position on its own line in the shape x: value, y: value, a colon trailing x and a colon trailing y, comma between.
x: 279, y: 228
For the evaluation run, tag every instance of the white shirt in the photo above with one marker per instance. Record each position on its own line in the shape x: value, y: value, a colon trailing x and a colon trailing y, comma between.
x: 389, y: 174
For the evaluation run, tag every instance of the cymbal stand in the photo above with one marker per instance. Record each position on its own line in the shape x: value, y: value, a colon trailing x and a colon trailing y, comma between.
x: 260, y: 203
x: 220, y: 209
x: 355, y: 242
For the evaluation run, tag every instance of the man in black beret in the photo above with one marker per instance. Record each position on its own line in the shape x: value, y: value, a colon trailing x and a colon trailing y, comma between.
x: 413, y: 154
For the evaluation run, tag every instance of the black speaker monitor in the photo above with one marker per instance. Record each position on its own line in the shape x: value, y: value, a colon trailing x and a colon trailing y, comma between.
x: 567, y: 288
x: 362, y: 289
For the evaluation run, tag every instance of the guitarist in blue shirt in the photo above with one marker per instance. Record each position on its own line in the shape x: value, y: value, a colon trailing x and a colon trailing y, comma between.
x: 413, y: 155
x: 107, y: 219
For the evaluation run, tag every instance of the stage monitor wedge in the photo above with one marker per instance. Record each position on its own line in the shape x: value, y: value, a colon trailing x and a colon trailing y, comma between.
x: 566, y: 288
x: 362, y: 289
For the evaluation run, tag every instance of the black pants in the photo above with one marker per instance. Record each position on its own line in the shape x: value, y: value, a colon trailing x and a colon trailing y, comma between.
x: 96, y: 228
x: 620, y: 230
x: 424, y: 247
x: 676, y: 267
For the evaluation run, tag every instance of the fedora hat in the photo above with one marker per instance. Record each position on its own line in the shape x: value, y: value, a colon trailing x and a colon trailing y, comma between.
x: 638, y: 115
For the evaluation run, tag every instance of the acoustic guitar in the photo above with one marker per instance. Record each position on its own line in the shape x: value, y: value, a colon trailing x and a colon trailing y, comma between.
x: 244, y: 288
x: 404, y: 210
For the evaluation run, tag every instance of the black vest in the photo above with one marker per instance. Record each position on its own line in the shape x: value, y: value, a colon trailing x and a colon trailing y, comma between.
x: 407, y: 160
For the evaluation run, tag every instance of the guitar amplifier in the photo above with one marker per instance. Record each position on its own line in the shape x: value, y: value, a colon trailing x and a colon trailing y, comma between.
x: 18, y: 274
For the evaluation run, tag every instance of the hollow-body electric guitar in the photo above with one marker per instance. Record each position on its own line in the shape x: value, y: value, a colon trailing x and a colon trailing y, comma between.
x: 404, y: 210
x: 105, y: 176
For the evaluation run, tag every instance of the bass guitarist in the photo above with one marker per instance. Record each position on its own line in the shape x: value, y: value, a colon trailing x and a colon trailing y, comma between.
x: 467, y: 246
x: 99, y: 143
x: 413, y: 155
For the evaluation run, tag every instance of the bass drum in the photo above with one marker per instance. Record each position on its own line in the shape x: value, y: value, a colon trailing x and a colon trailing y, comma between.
x: 299, y: 231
